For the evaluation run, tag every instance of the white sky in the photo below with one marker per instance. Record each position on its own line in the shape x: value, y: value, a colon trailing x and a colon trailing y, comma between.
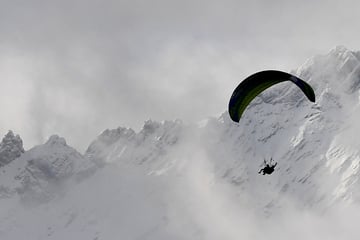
x: 75, y: 68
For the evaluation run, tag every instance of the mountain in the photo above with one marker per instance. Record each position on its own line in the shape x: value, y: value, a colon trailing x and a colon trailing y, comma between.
x: 173, y: 180
x: 39, y: 174
x: 309, y: 141
x: 148, y: 147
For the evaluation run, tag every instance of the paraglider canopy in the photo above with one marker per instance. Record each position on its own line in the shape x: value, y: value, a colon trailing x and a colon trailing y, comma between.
x: 253, y: 85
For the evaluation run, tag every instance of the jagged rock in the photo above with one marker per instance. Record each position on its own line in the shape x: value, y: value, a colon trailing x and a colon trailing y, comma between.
x: 39, y: 174
x: 126, y: 145
x: 11, y: 148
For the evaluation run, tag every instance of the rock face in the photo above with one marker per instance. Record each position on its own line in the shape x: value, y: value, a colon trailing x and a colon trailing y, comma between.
x: 148, y: 146
x: 41, y: 172
x: 11, y: 148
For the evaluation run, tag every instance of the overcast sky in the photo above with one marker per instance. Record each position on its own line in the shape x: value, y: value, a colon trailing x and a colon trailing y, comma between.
x: 75, y: 68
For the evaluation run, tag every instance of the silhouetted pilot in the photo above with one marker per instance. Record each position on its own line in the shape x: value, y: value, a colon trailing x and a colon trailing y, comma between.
x: 268, y: 169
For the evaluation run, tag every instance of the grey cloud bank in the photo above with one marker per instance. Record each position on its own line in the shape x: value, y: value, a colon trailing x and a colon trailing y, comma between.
x: 78, y: 67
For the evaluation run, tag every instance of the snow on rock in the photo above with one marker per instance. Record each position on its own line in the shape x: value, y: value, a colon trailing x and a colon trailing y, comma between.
x: 11, y: 148
x: 106, y: 142
x: 41, y: 172
x: 149, y: 146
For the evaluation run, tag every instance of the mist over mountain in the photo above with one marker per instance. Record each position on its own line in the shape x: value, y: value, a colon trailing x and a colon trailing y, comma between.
x: 173, y: 180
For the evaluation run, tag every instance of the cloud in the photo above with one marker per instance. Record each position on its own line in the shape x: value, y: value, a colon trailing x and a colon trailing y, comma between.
x: 204, y: 205
x: 104, y: 64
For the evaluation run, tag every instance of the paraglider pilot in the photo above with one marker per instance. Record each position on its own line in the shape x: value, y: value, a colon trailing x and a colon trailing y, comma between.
x: 269, y: 168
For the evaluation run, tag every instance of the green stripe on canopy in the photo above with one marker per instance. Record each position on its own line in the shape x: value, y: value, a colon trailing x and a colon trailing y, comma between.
x: 257, y: 83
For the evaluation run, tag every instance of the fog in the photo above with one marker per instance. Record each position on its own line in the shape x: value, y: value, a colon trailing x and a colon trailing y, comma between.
x: 186, y: 198
x: 75, y: 68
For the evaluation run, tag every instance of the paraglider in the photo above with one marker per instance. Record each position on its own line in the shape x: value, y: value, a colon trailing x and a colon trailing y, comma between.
x: 258, y: 82
x: 269, y: 167
x: 252, y: 86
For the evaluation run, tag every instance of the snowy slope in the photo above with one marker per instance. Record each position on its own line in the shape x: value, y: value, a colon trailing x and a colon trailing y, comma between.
x: 199, y: 181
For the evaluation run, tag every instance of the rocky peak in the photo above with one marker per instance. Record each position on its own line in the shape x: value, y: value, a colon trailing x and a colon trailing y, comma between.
x: 56, y: 140
x: 347, y: 59
x: 338, y: 72
x: 11, y: 148
x: 110, y: 136
x: 150, y: 127
x: 39, y: 173
x: 127, y: 145
x: 343, y: 53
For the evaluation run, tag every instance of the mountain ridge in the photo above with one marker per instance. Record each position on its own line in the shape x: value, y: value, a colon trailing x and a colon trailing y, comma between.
x: 173, y: 180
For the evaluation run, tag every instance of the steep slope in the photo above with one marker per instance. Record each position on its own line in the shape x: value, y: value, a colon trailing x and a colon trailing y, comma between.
x: 315, y: 168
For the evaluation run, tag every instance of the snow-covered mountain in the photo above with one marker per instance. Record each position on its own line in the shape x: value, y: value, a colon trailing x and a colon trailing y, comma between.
x: 40, y: 173
x: 149, y: 146
x: 200, y: 181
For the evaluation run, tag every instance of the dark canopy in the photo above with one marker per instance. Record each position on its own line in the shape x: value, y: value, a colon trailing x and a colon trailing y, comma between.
x: 258, y: 82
